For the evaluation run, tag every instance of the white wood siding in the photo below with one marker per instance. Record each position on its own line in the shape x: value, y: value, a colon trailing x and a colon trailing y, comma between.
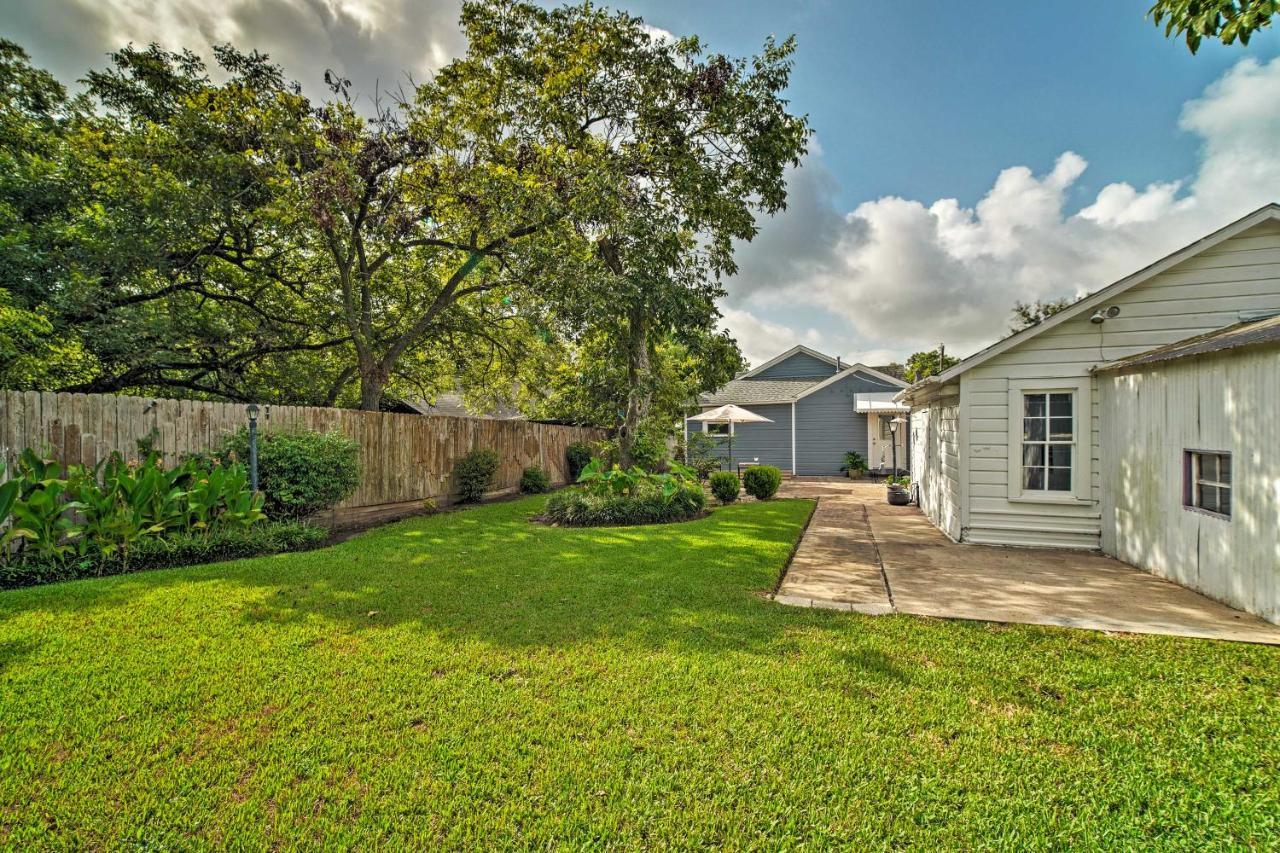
x: 935, y: 462
x: 1225, y: 402
x: 1203, y: 293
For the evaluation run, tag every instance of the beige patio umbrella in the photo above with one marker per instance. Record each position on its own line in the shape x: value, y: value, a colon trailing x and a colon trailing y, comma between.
x: 730, y: 414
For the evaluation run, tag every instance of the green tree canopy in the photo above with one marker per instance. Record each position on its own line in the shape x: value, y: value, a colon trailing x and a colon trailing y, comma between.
x: 680, y: 149
x: 1224, y: 20
x: 928, y: 363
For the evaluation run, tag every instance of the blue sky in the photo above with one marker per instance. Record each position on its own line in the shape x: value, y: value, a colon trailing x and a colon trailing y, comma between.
x: 968, y: 154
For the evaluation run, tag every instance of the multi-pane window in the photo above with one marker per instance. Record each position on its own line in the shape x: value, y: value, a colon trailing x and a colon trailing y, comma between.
x: 1048, y: 441
x: 1208, y: 482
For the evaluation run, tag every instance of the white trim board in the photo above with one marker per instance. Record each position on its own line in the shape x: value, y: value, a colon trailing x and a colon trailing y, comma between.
x: 856, y: 367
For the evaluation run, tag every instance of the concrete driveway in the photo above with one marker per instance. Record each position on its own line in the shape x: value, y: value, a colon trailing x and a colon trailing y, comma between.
x: 862, y: 555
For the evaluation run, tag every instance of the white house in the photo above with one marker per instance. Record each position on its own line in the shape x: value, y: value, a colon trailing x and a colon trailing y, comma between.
x: 1033, y: 440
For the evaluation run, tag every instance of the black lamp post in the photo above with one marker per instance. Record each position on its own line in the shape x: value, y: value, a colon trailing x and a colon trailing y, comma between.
x: 252, y: 409
x: 893, y: 432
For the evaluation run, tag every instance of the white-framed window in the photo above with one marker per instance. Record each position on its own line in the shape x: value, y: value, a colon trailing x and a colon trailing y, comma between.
x: 886, y: 431
x: 717, y: 429
x: 1206, y: 482
x: 1050, y: 440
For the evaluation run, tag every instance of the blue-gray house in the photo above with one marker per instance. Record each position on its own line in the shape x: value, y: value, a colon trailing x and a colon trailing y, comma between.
x: 820, y: 408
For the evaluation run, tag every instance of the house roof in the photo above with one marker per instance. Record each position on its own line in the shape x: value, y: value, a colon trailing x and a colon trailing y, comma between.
x: 1265, y: 213
x: 758, y: 391
x: 454, y: 406
x: 1250, y: 333
x: 746, y: 390
x: 795, y: 350
x: 897, y: 371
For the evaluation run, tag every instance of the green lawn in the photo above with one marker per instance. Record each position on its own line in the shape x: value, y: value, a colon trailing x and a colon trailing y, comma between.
x: 474, y: 679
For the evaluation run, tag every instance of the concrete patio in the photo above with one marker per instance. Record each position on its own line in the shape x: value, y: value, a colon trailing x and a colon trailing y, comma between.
x: 859, y: 554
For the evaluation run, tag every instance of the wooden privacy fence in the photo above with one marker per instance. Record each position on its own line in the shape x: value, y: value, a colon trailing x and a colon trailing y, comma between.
x: 405, y: 459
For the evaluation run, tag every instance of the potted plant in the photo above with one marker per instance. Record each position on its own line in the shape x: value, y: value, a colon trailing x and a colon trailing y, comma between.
x: 854, y: 465
x: 898, y: 493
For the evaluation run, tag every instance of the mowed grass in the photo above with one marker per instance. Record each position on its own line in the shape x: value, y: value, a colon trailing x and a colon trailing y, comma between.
x: 476, y: 680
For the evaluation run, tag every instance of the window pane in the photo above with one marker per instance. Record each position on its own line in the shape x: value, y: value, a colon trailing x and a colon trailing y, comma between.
x: 1033, y: 455
x: 1033, y: 406
x: 1032, y: 478
x: 1060, y: 405
x: 1209, y: 498
x: 1224, y: 469
x: 1208, y: 466
x: 1059, y: 479
x: 1060, y: 455
x: 1224, y: 501
x: 1060, y: 428
x: 1033, y: 429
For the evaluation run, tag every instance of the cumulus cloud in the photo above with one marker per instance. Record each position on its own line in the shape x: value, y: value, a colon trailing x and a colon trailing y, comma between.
x: 371, y: 42
x: 761, y: 340
x: 902, y: 274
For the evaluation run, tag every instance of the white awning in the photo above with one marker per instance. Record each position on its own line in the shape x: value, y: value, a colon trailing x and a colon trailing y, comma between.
x: 879, y: 402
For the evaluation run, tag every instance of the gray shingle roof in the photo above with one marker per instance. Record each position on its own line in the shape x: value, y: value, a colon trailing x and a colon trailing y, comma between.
x: 746, y: 391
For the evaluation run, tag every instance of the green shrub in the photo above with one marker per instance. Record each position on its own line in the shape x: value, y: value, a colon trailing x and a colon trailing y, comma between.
x: 184, y: 549
x: 762, y: 481
x: 700, y: 454
x: 646, y: 503
x: 534, y: 481
x: 474, y: 473
x: 300, y: 473
x: 649, y: 451
x: 854, y: 462
x: 724, y: 485
x: 54, y: 514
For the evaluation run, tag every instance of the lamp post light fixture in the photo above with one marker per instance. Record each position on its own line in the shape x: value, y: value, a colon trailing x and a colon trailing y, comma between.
x: 893, y: 431
x: 252, y: 409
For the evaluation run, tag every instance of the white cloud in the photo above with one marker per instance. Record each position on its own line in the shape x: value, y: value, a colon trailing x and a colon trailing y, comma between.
x: 903, y: 275
x: 371, y: 42
x: 761, y: 340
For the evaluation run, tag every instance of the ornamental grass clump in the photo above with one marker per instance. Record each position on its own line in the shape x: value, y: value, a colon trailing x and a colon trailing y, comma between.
x: 613, y: 497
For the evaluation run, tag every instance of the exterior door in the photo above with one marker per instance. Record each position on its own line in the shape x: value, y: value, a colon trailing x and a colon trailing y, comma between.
x: 880, y: 443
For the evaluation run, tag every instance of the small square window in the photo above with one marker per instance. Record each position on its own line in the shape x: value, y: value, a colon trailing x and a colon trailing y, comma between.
x: 1207, y: 482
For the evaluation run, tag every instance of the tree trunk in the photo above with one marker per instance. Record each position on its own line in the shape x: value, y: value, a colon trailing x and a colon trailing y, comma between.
x: 639, y: 382
x: 373, y: 379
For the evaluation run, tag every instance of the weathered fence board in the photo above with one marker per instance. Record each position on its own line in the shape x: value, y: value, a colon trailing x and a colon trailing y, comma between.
x: 405, y: 459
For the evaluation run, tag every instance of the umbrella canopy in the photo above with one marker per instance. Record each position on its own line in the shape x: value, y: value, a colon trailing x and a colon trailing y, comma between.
x: 731, y: 414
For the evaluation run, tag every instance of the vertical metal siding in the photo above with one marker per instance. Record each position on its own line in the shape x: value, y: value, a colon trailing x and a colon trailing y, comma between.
x: 1226, y: 402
